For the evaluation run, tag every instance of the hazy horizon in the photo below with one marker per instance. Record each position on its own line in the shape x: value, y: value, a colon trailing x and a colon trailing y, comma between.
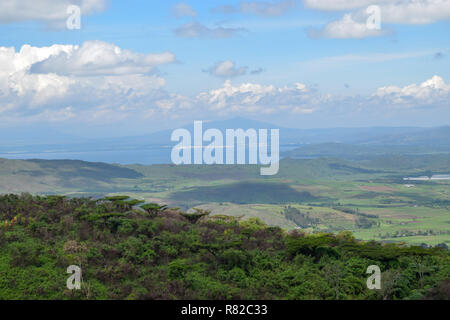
x: 138, y: 67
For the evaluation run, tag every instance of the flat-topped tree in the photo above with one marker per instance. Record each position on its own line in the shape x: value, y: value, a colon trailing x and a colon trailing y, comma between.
x: 123, y: 202
x: 154, y: 208
x: 117, y: 198
x: 197, y: 215
x: 134, y: 202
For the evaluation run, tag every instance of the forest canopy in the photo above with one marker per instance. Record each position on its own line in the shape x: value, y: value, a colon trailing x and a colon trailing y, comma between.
x: 130, y: 250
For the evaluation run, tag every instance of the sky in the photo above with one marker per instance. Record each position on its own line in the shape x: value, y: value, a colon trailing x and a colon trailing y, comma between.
x: 133, y: 67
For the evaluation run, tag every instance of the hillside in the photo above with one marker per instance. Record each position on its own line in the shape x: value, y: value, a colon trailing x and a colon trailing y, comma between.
x: 65, y: 176
x: 367, y: 197
x: 154, y: 253
x: 50, y: 176
x: 432, y: 137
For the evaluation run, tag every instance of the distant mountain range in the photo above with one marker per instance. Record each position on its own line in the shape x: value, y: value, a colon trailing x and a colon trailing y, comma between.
x: 157, y: 146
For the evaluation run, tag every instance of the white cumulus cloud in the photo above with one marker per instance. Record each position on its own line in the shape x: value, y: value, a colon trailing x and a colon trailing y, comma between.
x: 346, y: 28
x: 253, y: 98
x: 432, y: 92
x: 96, y: 80
x: 100, y: 58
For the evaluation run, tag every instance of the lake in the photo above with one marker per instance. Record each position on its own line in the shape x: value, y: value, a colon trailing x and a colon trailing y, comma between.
x: 146, y: 155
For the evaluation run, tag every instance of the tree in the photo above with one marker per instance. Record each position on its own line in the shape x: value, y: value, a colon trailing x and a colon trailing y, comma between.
x: 154, y: 208
x: 197, y: 215
x: 389, y: 281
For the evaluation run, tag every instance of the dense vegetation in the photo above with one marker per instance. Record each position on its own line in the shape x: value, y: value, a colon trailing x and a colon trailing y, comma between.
x: 151, y: 252
x: 368, y: 197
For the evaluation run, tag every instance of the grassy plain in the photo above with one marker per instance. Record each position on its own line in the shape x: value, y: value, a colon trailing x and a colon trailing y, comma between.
x: 369, y: 198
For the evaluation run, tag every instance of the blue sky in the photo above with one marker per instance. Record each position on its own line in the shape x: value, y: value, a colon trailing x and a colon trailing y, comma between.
x: 159, y: 64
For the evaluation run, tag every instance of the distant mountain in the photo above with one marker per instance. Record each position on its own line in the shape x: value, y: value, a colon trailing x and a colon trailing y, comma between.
x: 288, y: 136
x: 156, y: 147
x: 49, y: 136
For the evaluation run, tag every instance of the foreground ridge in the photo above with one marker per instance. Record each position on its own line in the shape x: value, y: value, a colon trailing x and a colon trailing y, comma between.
x: 130, y: 250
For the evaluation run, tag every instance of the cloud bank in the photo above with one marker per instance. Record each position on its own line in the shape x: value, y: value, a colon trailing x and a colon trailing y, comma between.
x: 92, y: 81
x: 98, y: 82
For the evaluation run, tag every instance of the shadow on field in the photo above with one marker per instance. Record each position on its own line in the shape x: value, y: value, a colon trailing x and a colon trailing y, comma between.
x: 244, y: 193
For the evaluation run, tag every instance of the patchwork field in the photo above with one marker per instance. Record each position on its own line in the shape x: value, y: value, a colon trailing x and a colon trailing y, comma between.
x: 373, y: 206
x: 371, y: 199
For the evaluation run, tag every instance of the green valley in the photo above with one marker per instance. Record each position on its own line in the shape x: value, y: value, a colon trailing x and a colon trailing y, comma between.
x: 368, y: 197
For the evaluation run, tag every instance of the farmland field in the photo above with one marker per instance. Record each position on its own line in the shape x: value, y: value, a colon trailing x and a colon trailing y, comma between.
x: 374, y: 203
x: 369, y: 198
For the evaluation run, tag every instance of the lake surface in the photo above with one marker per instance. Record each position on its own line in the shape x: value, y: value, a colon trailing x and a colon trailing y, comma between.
x: 148, y: 155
